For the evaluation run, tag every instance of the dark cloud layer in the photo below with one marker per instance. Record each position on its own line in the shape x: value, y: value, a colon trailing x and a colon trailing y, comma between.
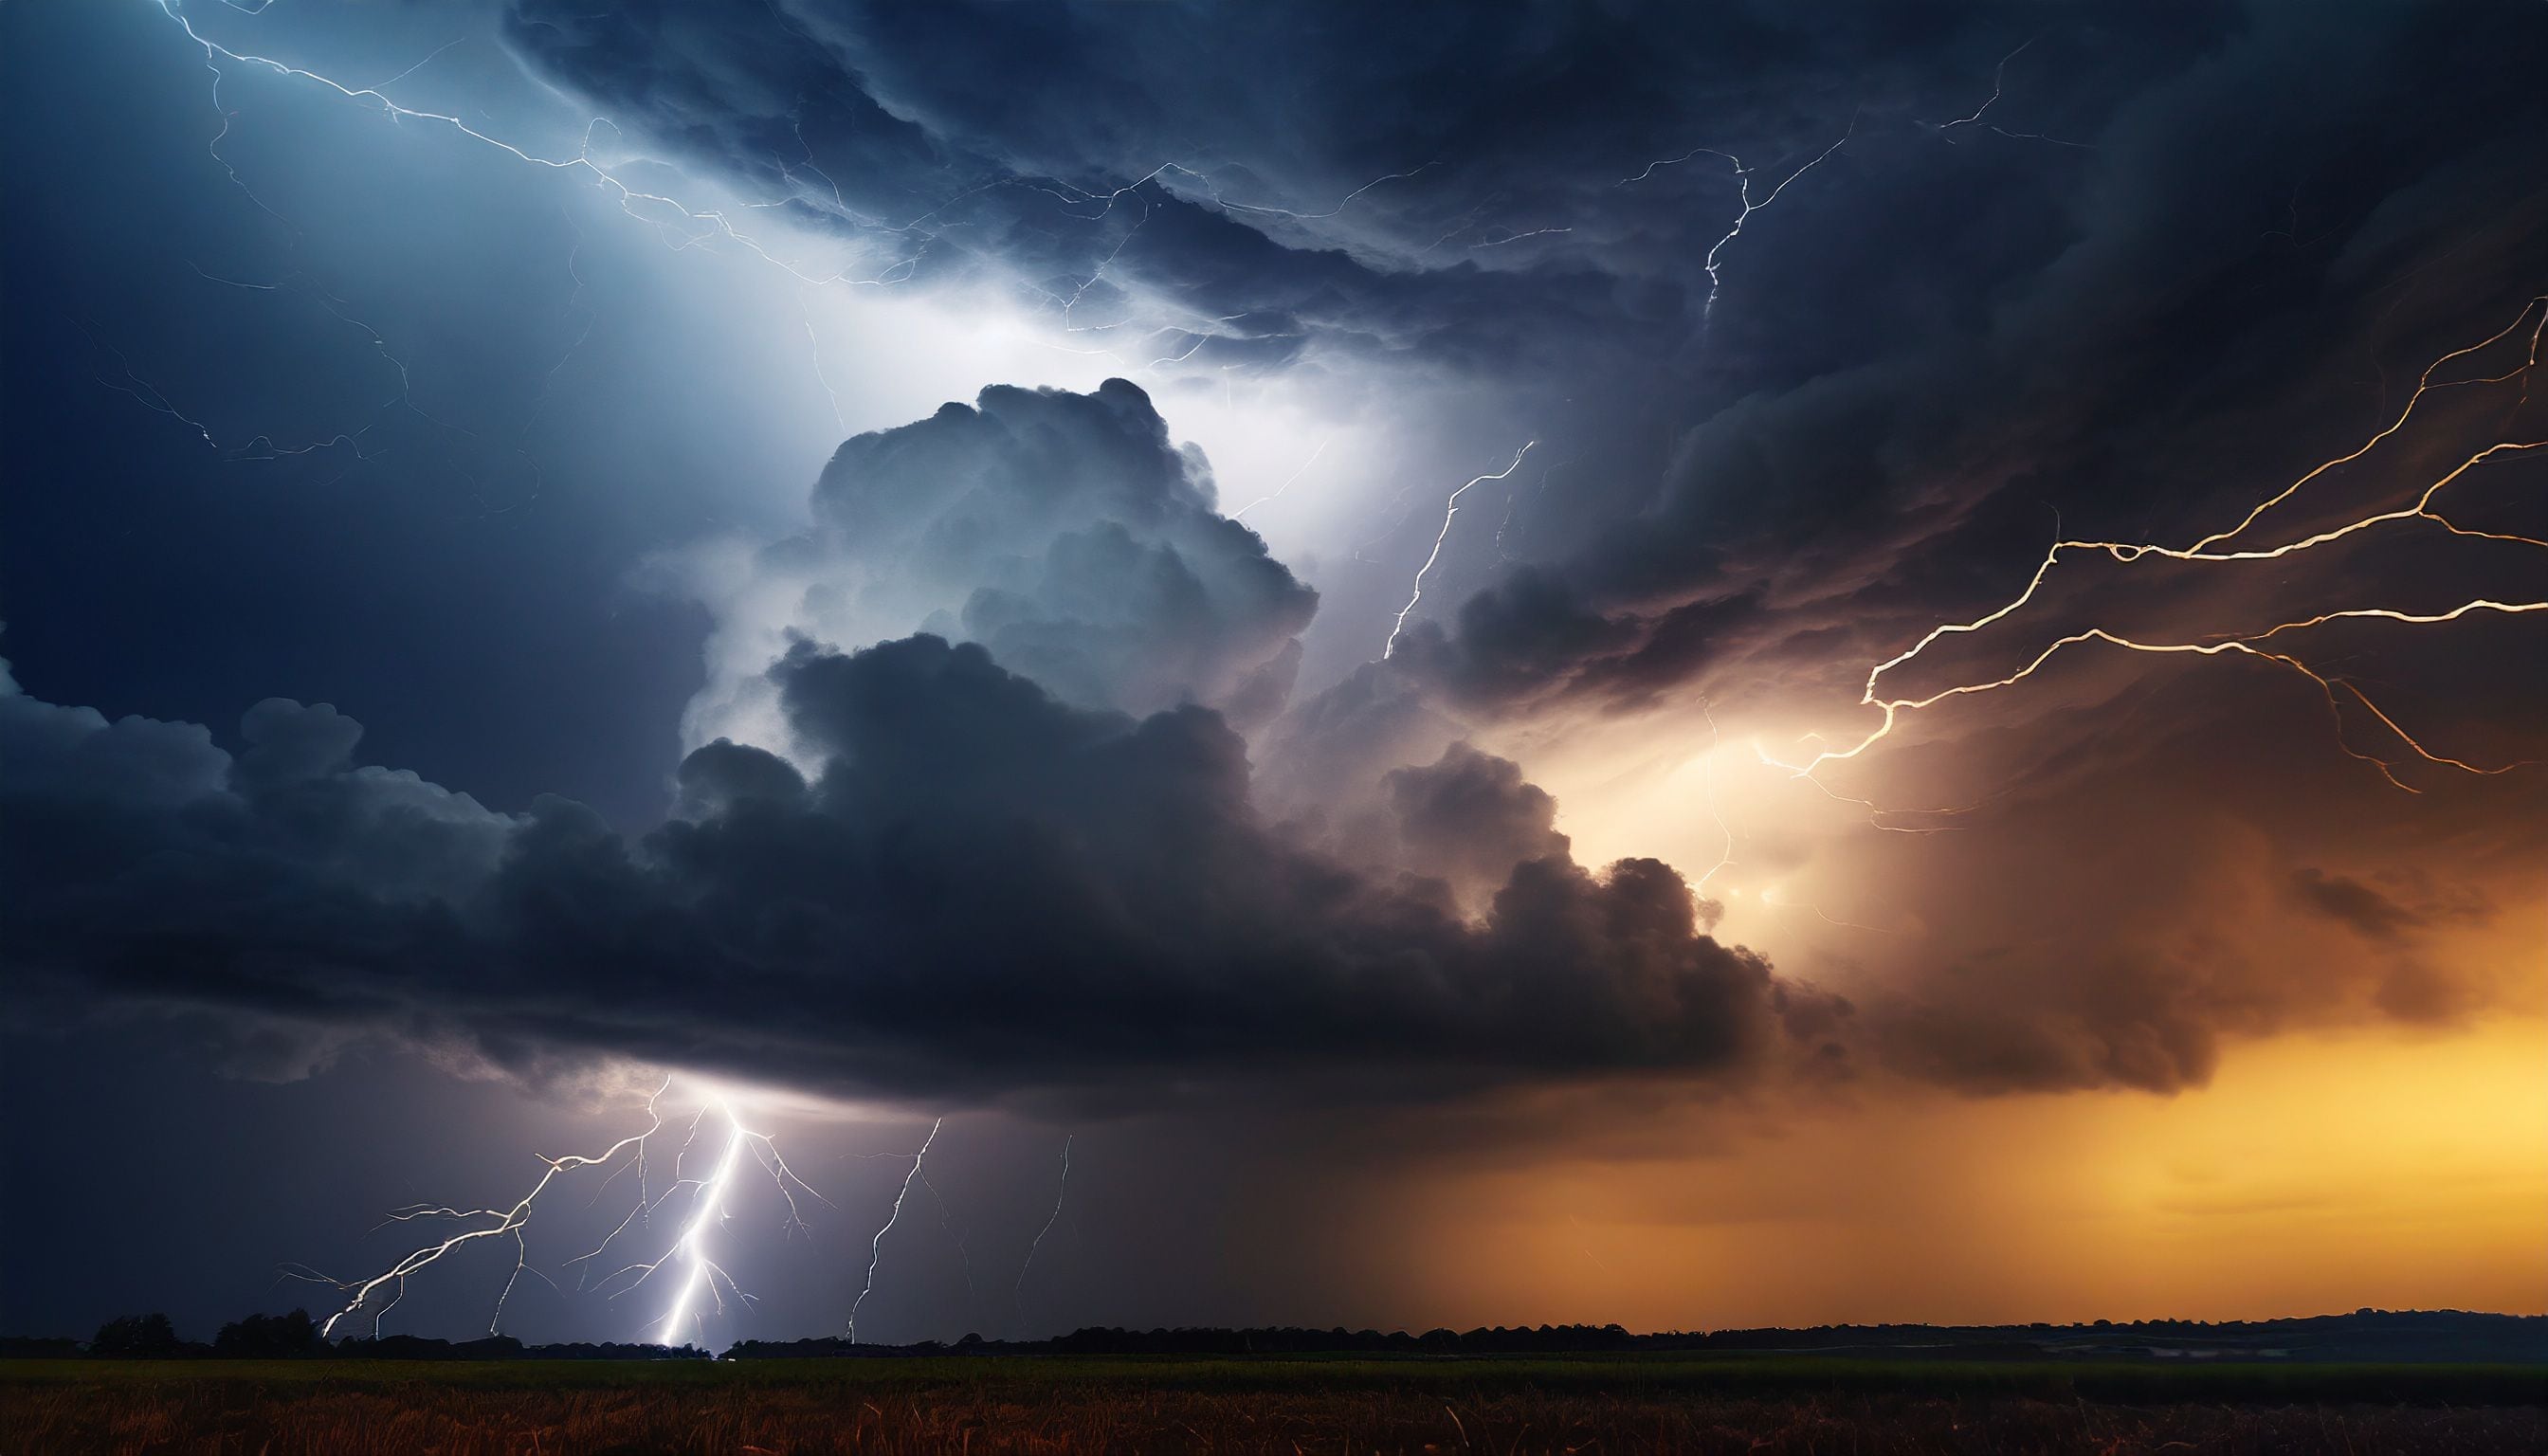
x: 983, y: 891
x: 1857, y: 418
x: 1430, y: 181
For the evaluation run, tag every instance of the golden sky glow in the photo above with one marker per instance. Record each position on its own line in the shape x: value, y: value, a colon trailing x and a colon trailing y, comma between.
x: 2315, y: 1173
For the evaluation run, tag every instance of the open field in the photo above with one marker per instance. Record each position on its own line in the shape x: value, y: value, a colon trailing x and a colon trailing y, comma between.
x: 1605, y: 1404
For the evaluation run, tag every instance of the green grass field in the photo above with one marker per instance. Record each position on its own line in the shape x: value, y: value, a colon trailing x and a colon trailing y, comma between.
x: 1610, y: 1402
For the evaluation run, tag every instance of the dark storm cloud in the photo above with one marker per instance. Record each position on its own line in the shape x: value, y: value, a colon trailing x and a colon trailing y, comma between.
x: 2124, y: 300
x: 1941, y: 337
x: 1468, y: 818
x: 2218, y: 288
x: 1428, y: 179
x: 982, y: 891
x: 2097, y: 383
x: 769, y: 97
x: 2144, y: 897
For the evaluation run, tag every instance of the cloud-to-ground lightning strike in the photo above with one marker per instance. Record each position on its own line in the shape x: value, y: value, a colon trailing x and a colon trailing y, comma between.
x: 2215, y: 548
x: 1743, y: 181
x: 1061, y: 1190
x: 509, y: 1223
x: 690, y: 1247
x: 700, y: 1271
x: 876, y: 1245
x: 1450, y: 514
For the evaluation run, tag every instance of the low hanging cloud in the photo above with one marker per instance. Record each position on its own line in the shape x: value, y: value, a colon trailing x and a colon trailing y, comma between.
x: 981, y: 891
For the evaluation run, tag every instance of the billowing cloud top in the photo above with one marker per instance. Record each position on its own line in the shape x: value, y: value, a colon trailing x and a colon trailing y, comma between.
x: 1063, y: 531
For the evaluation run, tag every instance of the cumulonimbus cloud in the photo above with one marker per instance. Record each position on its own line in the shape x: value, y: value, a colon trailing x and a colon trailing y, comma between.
x: 981, y: 891
x: 1065, y: 532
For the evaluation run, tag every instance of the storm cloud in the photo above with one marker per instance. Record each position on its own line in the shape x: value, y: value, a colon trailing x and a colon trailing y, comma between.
x: 982, y: 891
x: 970, y: 803
x: 1064, y: 532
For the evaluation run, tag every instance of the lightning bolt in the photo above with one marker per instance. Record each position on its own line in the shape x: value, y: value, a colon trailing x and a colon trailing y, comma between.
x: 683, y: 225
x: 634, y: 200
x: 1061, y: 1190
x: 1276, y: 493
x: 1510, y: 237
x: 1743, y: 181
x: 875, y: 1246
x: 2216, y: 548
x: 1999, y: 81
x: 689, y: 1248
x: 1450, y: 514
x: 1771, y: 898
x: 508, y: 1224
x: 1715, y: 811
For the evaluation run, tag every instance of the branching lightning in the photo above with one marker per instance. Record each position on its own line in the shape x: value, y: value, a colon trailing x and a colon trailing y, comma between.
x: 700, y: 1274
x: 685, y: 225
x: 1999, y: 82
x: 2217, y: 548
x: 1743, y: 181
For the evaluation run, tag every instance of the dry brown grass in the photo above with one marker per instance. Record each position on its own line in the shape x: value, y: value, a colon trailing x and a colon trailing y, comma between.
x: 235, y: 1417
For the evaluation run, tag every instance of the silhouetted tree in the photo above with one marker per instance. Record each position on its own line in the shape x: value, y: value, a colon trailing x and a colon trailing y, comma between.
x: 269, y: 1338
x: 137, y: 1336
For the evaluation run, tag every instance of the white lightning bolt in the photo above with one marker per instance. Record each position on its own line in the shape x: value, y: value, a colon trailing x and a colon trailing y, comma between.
x: 508, y: 1224
x: 689, y: 1248
x: 875, y: 1246
x: 1743, y: 180
x: 1450, y: 512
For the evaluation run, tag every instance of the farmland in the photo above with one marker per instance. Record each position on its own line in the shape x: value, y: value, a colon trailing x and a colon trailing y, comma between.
x: 1607, y: 1403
